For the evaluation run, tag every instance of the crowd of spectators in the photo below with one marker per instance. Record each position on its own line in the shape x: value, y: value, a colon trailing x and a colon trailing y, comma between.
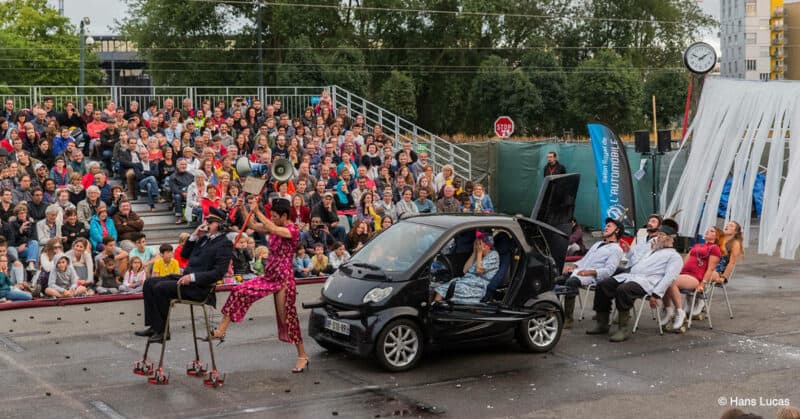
x: 55, y: 167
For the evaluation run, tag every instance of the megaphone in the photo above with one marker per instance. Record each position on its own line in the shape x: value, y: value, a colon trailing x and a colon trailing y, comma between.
x: 282, y: 170
x: 244, y: 168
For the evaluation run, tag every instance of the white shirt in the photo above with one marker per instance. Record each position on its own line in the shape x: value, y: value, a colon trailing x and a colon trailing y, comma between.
x: 641, y: 248
x: 602, y: 257
x: 655, y: 271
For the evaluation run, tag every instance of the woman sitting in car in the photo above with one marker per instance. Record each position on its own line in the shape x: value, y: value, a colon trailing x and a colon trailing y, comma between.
x: 479, y: 270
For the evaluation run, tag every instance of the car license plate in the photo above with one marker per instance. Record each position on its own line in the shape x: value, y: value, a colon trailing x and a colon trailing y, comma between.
x: 337, y: 326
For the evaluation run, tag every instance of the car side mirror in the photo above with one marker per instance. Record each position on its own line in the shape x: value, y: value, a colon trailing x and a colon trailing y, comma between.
x: 451, y: 291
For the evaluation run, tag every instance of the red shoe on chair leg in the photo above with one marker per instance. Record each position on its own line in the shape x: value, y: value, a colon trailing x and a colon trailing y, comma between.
x: 143, y: 367
x: 159, y: 378
x: 214, y: 380
x: 196, y: 369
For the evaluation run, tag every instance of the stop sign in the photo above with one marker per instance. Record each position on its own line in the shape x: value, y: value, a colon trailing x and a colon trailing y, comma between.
x: 503, y: 127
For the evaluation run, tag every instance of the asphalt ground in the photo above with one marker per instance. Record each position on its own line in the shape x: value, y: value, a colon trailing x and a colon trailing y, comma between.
x: 76, y: 361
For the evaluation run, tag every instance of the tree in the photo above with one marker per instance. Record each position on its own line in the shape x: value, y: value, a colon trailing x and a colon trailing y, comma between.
x: 501, y: 90
x: 547, y: 75
x: 40, y: 47
x: 606, y: 88
x: 190, y: 44
x: 346, y: 68
x: 669, y: 88
x: 398, y: 95
x: 302, y: 66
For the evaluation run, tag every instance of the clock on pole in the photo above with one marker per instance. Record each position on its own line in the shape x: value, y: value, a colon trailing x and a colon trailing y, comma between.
x: 700, y: 58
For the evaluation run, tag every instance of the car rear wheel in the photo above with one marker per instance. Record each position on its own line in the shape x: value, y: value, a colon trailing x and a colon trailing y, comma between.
x: 542, y: 332
x: 399, y: 345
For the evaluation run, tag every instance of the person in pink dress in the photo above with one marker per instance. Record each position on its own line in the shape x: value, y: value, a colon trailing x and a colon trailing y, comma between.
x: 278, y: 279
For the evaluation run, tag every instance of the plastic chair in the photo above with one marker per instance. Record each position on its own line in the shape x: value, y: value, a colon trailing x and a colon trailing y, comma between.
x: 195, y: 368
x: 656, y: 314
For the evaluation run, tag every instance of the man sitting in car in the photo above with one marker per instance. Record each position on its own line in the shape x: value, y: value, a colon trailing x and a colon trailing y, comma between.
x: 479, y: 270
x: 651, y: 275
x: 599, y: 263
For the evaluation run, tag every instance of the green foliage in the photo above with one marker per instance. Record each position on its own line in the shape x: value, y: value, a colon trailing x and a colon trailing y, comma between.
x: 501, y: 90
x: 546, y: 74
x: 397, y: 94
x: 39, y: 47
x: 608, y: 89
x: 669, y: 88
x: 541, y: 58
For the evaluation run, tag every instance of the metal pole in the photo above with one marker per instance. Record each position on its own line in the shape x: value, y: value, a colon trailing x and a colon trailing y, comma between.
x: 260, y: 49
x: 80, y: 71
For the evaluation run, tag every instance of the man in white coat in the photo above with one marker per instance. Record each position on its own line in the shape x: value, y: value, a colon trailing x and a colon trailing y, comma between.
x: 599, y: 263
x: 642, y: 245
x: 650, y: 275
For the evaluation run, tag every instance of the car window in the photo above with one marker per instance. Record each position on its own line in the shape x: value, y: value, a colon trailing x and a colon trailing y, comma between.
x: 399, y: 247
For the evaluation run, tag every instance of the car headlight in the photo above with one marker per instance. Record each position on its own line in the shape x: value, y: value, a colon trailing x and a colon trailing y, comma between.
x: 377, y: 295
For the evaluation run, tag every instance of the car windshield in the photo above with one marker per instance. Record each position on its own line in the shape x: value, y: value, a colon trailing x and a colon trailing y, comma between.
x: 399, y: 247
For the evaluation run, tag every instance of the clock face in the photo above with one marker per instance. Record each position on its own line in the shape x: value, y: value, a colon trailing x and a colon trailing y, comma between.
x: 700, y: 58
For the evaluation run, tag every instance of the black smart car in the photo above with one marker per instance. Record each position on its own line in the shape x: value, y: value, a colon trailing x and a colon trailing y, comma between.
x: 381, y: 301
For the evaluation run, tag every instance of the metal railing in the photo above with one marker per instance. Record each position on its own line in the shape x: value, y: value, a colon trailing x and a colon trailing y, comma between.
x: 294, y: 100
x: 441, y: 151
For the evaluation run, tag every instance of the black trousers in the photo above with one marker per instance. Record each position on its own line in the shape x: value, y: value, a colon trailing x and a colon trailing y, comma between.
x: 158, y: 291
x: 624, y: 293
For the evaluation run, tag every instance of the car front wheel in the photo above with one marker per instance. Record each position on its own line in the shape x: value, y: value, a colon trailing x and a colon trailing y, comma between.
x: 542, y: 332
x: 399, y: 345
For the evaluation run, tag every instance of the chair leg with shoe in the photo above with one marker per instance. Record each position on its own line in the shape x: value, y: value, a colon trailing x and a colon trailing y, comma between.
x: 196, y: 368
x: 656, y: 314
x: 609, y: 291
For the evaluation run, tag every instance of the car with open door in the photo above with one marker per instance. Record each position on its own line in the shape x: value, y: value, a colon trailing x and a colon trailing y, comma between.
x: 381, y: 301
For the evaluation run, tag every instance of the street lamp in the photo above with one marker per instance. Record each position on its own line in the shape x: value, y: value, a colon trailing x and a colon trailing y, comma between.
x: 84, y: 40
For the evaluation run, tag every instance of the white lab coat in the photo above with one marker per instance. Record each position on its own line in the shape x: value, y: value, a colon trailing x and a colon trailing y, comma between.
x: 655, y: 271
x: 603, y: 258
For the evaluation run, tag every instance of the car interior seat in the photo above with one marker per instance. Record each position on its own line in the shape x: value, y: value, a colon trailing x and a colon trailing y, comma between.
x: 504, y: 245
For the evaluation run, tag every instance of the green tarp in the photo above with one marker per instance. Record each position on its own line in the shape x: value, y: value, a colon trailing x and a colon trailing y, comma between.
x: 513, y: 172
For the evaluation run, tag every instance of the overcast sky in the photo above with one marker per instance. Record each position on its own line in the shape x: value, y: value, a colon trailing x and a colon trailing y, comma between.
x: 103, y: 12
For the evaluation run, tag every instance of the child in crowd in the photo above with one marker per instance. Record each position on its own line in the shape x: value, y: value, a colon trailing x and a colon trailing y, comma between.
x: 338, y: 256
x: 8, y: 289
x: 166, y: 264
x: 179, y: 248
x: 145, y: 254
x: 319, y: 262
x: 59, y: 173
x: 241, y: 258
x: 135, y: 277
x: 260, y: 255
x: 301, y: 263
x: 63, y: 280
x: 107, y: 276
x: 72, y: 229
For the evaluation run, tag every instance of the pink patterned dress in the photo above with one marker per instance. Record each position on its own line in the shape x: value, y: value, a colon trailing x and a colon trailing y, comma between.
x: 278, y: 275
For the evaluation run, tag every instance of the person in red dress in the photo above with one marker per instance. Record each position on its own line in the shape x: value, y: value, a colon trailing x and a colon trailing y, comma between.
x: 697, y: 269
x: 278, y: 279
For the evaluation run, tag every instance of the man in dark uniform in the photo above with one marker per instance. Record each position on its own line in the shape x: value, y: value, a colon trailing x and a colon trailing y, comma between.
x: 553, y: 167
x: 209, y: 253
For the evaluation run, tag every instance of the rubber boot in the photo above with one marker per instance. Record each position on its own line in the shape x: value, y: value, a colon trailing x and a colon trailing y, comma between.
x: 569, y: 309
x: 624, y: 332
x: 600, y: 324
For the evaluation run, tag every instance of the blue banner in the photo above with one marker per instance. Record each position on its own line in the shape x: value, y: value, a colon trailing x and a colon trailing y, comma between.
x: 614, y: 184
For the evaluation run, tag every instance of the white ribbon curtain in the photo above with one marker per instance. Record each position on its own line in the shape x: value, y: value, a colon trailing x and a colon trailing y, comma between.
x: 738, y: 127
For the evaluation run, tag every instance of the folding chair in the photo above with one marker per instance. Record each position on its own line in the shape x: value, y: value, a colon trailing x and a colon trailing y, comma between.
x: 195, y: 368
x: 694, y: 294
x: 583, y: 300
x: 656, y: 314
x: 724, y: 291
